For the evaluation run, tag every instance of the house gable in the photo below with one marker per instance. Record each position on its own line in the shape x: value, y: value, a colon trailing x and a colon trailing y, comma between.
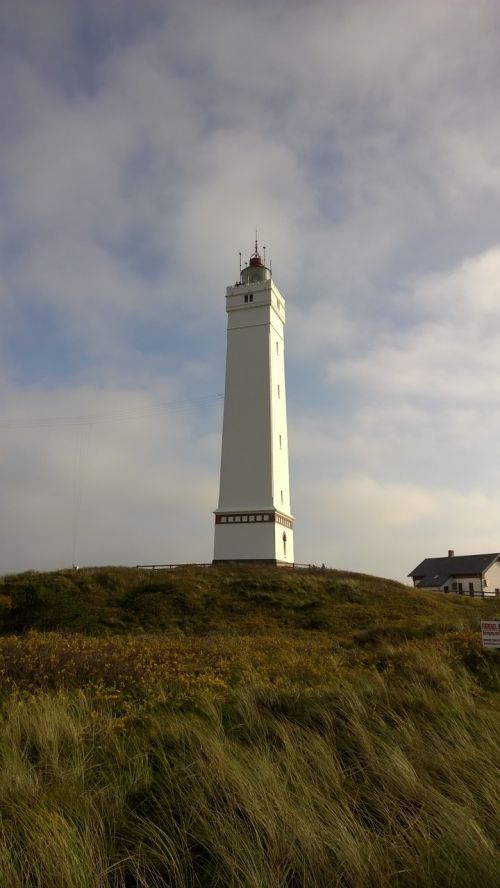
x: 436, y: 573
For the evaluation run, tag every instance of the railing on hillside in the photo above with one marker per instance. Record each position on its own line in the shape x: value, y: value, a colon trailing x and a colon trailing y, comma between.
x: 294, y: 565
x: 169, y: 566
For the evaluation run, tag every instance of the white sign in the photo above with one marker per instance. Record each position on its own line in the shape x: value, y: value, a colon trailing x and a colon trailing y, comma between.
x: 490, y: 630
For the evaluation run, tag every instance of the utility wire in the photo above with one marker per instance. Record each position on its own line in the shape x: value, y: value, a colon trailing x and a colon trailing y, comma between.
x: 86, y: 419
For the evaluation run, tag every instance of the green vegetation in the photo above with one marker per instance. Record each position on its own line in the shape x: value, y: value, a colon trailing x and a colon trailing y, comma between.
x: 223, y: 600
x: 250, y: 727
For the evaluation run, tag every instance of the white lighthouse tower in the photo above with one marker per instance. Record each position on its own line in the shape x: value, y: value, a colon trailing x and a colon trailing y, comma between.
x: 253, y: 521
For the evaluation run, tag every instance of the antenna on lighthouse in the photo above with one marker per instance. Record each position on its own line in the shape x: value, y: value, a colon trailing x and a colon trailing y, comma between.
x: 240, y: 263
x: 264, y: 255
x: 256, y: 244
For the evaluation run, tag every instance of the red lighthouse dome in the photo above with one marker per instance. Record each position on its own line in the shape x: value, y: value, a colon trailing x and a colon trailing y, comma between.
x: 255, y: 271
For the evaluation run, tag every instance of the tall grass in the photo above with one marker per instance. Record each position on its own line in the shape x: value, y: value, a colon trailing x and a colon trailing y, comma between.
x: 387, y: 777
x: 245, y: 728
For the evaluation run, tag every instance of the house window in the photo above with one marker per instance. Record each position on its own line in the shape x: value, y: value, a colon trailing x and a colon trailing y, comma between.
x: 471, y: 587
x: 460, y: 588
x: 223, y: 519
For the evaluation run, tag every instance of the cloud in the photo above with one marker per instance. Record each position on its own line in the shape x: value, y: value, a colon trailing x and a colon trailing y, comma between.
x: 367, y: 525
x: 471, y: 291
x: 452, y: 353
x: 105, y: 477
x: 143, y: 144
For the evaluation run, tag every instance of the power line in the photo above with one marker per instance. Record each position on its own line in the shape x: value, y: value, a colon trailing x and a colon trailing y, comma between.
x: 86, y: 419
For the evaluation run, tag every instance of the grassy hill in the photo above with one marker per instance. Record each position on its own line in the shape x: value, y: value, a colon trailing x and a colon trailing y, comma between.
x: 235, y: 726
x: 229, y: 599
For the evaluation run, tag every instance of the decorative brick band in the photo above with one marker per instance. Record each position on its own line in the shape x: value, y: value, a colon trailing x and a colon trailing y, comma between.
x: 254, y: 518
x: 282, y: 519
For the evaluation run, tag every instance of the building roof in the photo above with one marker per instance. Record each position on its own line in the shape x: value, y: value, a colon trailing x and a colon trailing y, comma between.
x: 435, y: 571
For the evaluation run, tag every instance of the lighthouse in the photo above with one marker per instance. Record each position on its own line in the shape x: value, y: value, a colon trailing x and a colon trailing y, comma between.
x: 253, y: 520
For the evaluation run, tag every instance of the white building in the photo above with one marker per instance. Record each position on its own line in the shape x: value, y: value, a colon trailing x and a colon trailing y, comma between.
x: 253, y: 521
x: 463, y: 574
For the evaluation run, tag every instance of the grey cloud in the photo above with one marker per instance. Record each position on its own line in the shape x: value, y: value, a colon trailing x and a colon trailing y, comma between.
x: 109, y: 472
x: 141, y: 151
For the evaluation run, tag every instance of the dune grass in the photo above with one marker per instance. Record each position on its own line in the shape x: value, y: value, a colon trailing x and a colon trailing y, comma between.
x: 265, y: 754
x: 375, y: 781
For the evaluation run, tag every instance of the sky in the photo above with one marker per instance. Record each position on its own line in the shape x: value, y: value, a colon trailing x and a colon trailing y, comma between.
x: 140, y: 145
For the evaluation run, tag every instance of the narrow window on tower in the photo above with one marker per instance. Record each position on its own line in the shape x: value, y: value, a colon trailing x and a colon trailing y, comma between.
x: 281, y: 497
x: 284, y: 545
x: 279, y: 393
x: 277, y: 348
x: 280, y: 441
